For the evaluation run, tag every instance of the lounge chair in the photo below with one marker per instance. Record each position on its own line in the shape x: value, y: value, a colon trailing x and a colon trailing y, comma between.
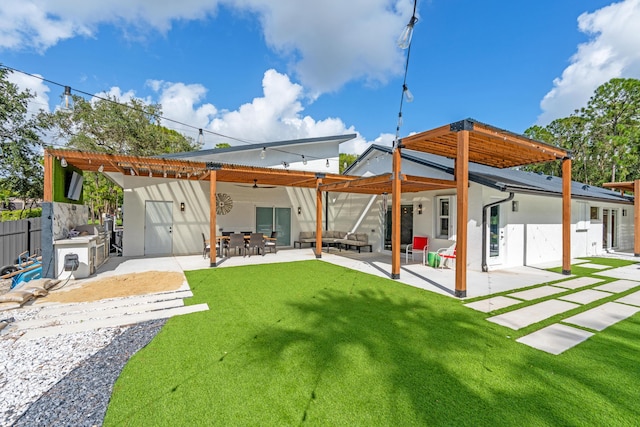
x: 271, y: 242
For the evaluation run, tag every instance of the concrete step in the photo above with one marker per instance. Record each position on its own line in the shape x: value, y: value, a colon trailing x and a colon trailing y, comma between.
x: 95, y: 313
x: 124, y: 320
x: 63, y: 309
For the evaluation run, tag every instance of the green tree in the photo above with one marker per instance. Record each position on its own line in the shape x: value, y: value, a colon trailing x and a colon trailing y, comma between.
x: 21, y: 171
x: 603, y: 136
x: 223, y: 145
x: 107, y: 125
x: 346, y: 160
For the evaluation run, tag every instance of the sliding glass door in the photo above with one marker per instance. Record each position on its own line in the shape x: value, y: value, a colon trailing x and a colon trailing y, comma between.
x: 275, y: 219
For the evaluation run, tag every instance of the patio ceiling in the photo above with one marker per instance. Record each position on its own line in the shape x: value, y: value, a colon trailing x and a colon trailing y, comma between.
x: 488, y: 145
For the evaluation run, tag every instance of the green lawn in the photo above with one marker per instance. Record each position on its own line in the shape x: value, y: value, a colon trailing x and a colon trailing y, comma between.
x: 313, y: 343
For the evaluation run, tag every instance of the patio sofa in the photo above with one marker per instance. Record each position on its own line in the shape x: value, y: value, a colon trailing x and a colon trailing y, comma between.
x: 332, y: 237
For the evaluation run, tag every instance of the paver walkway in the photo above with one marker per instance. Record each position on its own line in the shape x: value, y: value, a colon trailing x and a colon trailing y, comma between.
x: 570, y: 332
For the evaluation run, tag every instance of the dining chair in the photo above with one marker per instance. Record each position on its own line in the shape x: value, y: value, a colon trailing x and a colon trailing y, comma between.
x: 271, y: 242
x: 206, y: 249
x: 236, y: 242
x: 256, y: 243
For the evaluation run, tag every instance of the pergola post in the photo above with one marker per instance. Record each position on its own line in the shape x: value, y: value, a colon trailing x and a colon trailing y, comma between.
x: 462, y: 205
x: 636, y: 217
x: 48, y: 177
x: 396, y: 197
x: 318, y: 218
x: 566, y: 216
x: 213, y: 204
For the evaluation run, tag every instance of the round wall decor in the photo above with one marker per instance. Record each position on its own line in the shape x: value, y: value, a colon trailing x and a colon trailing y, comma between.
x: 224, y: 204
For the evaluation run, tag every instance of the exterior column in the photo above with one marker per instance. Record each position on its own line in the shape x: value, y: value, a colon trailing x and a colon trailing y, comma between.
x: 462, y: 205
x: 636, y: 217
x: 396, y: 197
x: 48, y: 177
x: 318, y: 218
x: 566, y: 216
x: 213, y: 204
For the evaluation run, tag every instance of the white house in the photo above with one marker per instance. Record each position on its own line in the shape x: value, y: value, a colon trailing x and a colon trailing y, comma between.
x: 514, y: 217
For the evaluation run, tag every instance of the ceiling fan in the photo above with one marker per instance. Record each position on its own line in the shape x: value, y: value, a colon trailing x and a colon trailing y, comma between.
x: 255, y: 185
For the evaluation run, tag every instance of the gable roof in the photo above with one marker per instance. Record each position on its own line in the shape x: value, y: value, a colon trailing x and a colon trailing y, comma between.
x: 508, y: 180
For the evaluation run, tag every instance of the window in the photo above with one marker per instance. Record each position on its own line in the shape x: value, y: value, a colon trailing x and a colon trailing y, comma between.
x: 595, y: 212
x: 583, y: 222
x: 445, y: 218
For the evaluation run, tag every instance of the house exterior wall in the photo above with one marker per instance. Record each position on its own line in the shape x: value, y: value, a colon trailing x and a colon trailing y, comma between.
x: 189, y: 225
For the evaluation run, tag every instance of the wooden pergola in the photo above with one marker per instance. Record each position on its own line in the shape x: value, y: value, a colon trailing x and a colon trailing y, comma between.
x: 156, y: 167
x: 470, y: 141
x: 631, y: 187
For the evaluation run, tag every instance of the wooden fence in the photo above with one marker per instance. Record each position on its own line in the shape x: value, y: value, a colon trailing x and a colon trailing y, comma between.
x: 17, y: 237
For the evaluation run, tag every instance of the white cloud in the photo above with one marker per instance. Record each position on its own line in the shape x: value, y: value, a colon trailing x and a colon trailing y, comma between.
x: 613, y: 51
x: 335, y: 40
x: 328, y: 42
x: 36, y: 86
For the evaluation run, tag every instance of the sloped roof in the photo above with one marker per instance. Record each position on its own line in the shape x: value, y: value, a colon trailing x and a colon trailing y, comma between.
x: 200, y: 154
x: 506, y: 179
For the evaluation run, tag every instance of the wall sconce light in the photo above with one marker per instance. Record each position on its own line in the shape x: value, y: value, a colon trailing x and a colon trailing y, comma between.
x: 420, y: 209
x: 181, y: 206
x: 514, y: 206
x: 299, y: 210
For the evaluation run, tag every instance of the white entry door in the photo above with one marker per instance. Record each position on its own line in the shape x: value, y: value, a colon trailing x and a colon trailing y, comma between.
x: 158, y: 228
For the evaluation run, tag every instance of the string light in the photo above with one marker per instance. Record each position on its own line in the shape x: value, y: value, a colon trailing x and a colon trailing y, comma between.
x: 304, y: 160
x: 63, y: 162
x: 101, y: 168
x: 327, y: 164
x: 200, y: 137
x: 404, y: 42
x: 263, y: 153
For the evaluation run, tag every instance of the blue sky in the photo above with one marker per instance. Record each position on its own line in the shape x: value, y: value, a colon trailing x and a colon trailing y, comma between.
x: 266, y: 70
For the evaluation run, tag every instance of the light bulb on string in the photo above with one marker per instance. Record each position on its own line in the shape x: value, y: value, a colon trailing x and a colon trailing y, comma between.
x: 200, y: 137
x: 408, y: 96
x: 101, y: 168
x: 63, y: 162
x: 327, y: 164
x: 263, y: 153
x: 404, y: 41
x: 132, y: 172
x: 67, y: 99
x: 304, y: 160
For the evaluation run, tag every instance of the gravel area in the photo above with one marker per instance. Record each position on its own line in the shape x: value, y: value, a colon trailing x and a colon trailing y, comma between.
x: 66, y: 379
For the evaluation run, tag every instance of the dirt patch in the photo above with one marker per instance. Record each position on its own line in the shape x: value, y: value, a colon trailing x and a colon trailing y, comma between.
x: 125, y: 285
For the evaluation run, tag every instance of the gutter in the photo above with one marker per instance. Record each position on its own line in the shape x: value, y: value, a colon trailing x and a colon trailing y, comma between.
x: 485, y: 208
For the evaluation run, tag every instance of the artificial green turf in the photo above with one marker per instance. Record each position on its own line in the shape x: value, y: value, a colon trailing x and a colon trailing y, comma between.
x: 313, y: 343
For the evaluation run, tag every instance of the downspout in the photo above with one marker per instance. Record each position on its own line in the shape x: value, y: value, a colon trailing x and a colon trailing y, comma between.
x: 326, y: 210
x: 485, y: 208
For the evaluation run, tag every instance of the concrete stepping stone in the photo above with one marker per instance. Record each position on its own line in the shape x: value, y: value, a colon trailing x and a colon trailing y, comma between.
x: 535, y: 293
x: 631, y: 299
x: 491, y: 304
x: 555, y: 339
x: 617, y: 286
x: 630, y: 272
x: 603, y: 316
x: 595, y: 266
x: 526, y: 316
x: 580, y: 282
x: 585, y: 297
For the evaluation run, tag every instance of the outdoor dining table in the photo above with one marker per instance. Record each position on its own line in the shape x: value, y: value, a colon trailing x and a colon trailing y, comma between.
x: 247, y: 237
